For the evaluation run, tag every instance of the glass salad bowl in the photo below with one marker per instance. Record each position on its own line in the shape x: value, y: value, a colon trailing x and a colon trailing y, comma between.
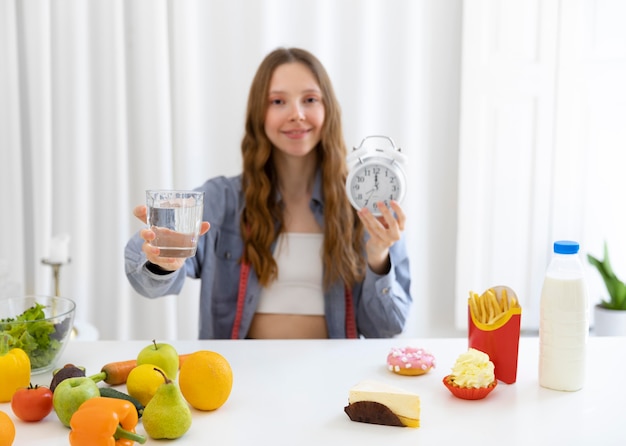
x: 39, y: 325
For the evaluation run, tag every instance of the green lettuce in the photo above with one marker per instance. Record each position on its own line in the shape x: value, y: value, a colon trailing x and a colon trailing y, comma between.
x: 33, y: 334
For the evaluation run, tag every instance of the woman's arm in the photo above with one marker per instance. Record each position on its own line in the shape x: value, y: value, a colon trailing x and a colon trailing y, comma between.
x: 144, y: 281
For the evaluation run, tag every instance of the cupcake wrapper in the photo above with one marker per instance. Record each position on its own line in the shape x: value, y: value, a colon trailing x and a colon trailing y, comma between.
x: 468, y: 393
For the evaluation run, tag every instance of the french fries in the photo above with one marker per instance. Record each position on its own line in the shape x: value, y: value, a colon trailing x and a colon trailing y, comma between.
x: 491, y: 306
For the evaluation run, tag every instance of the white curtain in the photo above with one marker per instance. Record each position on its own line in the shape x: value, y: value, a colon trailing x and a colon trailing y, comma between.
x: 101, y: 100
x: 542, y: 143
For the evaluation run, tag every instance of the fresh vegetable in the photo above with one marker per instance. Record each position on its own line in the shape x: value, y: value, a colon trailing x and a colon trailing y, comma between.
x: 36, y: 336
x: 109, y: 392
x: 181, y: 359
x: 7, y: 429
x: 32, y: 403
x: 105, y: 422
x: 14, y: 370
x: 116, y: 373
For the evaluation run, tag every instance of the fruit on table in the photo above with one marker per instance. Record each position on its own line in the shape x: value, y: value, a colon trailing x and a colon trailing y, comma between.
x: 205, y: 380
x: 32, y: 403
x: 70, y: 394
x: 116, y: 373
x: 167, y: 415
x: 14, y: 370
x: 67, y: 371
x: 143, y: 382
x: 105, y: 421
x: 7, y: 429
x: 161, y: 355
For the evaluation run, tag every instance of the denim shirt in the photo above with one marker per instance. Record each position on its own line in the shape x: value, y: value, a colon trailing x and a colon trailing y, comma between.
x: 381, y: 302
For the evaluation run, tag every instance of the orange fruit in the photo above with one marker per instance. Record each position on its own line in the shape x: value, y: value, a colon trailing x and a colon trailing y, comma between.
x: 7, y: 430
x: 205, y: 380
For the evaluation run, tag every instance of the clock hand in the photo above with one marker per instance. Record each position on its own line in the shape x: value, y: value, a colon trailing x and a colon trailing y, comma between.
x: 370, y: 193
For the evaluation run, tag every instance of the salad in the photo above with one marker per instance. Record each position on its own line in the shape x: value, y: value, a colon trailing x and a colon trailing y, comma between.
x: 38, y: 337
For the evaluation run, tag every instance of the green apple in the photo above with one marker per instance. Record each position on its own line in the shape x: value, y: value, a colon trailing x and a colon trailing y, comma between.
x: 161, y: 355
x: 70, y: 394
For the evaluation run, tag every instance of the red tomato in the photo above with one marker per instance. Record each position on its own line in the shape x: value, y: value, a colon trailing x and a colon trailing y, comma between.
x: 32, y: 403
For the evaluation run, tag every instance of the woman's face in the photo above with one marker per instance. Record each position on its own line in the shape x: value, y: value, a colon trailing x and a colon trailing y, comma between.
x: 295, y: 111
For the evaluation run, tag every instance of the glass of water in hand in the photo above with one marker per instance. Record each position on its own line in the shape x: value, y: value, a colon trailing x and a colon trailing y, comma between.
x: 175, y: 216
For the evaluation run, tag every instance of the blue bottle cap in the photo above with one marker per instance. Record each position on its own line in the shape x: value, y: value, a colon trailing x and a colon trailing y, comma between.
x: 566, y: 247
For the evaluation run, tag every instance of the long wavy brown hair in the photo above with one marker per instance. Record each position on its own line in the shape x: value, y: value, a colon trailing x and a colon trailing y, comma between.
x: 262, y: 219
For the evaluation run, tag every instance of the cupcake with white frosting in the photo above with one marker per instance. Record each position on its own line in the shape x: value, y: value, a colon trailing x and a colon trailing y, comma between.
x: 472, y: 376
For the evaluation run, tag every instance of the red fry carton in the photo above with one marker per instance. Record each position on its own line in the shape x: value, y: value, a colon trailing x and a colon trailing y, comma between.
x: 496, y: 333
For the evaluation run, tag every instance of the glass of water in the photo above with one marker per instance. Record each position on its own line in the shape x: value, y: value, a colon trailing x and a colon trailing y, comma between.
x: 175, y: 216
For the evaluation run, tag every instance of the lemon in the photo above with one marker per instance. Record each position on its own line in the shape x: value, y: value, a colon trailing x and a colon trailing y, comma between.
x: 143, y: 382
x: 205, y: 380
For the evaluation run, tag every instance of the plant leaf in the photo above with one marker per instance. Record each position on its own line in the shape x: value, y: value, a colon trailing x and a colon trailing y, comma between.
x: 615, y: 287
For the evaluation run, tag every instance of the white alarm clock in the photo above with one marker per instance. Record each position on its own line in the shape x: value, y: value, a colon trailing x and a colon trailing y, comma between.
x: 375, y: 173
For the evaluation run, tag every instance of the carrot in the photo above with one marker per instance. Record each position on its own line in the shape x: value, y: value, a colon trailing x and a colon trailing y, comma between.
x: 115, y: 373
x: 181, y: 359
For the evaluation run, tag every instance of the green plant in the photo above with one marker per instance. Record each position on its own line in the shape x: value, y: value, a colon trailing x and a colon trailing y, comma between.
x: 615, y: 287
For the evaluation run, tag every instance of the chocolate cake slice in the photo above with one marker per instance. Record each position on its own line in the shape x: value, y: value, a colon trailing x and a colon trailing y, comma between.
x: 384, y: 404
x: 373, y: 413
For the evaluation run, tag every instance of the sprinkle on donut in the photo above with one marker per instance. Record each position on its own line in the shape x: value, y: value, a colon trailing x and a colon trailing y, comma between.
x: 410, y: 361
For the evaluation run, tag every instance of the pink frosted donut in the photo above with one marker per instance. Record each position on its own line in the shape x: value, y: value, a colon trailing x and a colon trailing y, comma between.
x: 410, y: 361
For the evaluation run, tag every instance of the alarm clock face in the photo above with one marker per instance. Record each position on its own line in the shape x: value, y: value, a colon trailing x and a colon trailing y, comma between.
x: 373, y: 182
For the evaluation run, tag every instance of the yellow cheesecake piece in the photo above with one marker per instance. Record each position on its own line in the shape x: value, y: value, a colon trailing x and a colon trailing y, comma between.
x: 405, y: 405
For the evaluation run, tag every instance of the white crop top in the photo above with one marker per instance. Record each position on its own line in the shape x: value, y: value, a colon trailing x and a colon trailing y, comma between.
x: 298, y: 287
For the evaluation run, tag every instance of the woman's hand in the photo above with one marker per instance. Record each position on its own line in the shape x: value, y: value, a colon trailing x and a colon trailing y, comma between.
x: 384, y: 231
x: 152, y: 252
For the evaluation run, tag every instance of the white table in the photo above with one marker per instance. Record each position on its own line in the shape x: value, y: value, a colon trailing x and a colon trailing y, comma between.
x: 294, y: 392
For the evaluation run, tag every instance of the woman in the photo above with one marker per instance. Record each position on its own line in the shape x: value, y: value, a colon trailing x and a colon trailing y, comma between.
x: 261, y: 273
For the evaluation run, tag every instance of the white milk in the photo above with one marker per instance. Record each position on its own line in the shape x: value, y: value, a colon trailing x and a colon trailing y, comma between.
x: 563, y: 325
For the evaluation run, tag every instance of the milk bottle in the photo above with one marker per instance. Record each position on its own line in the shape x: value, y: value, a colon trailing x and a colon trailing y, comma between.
x: 564, y: 321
